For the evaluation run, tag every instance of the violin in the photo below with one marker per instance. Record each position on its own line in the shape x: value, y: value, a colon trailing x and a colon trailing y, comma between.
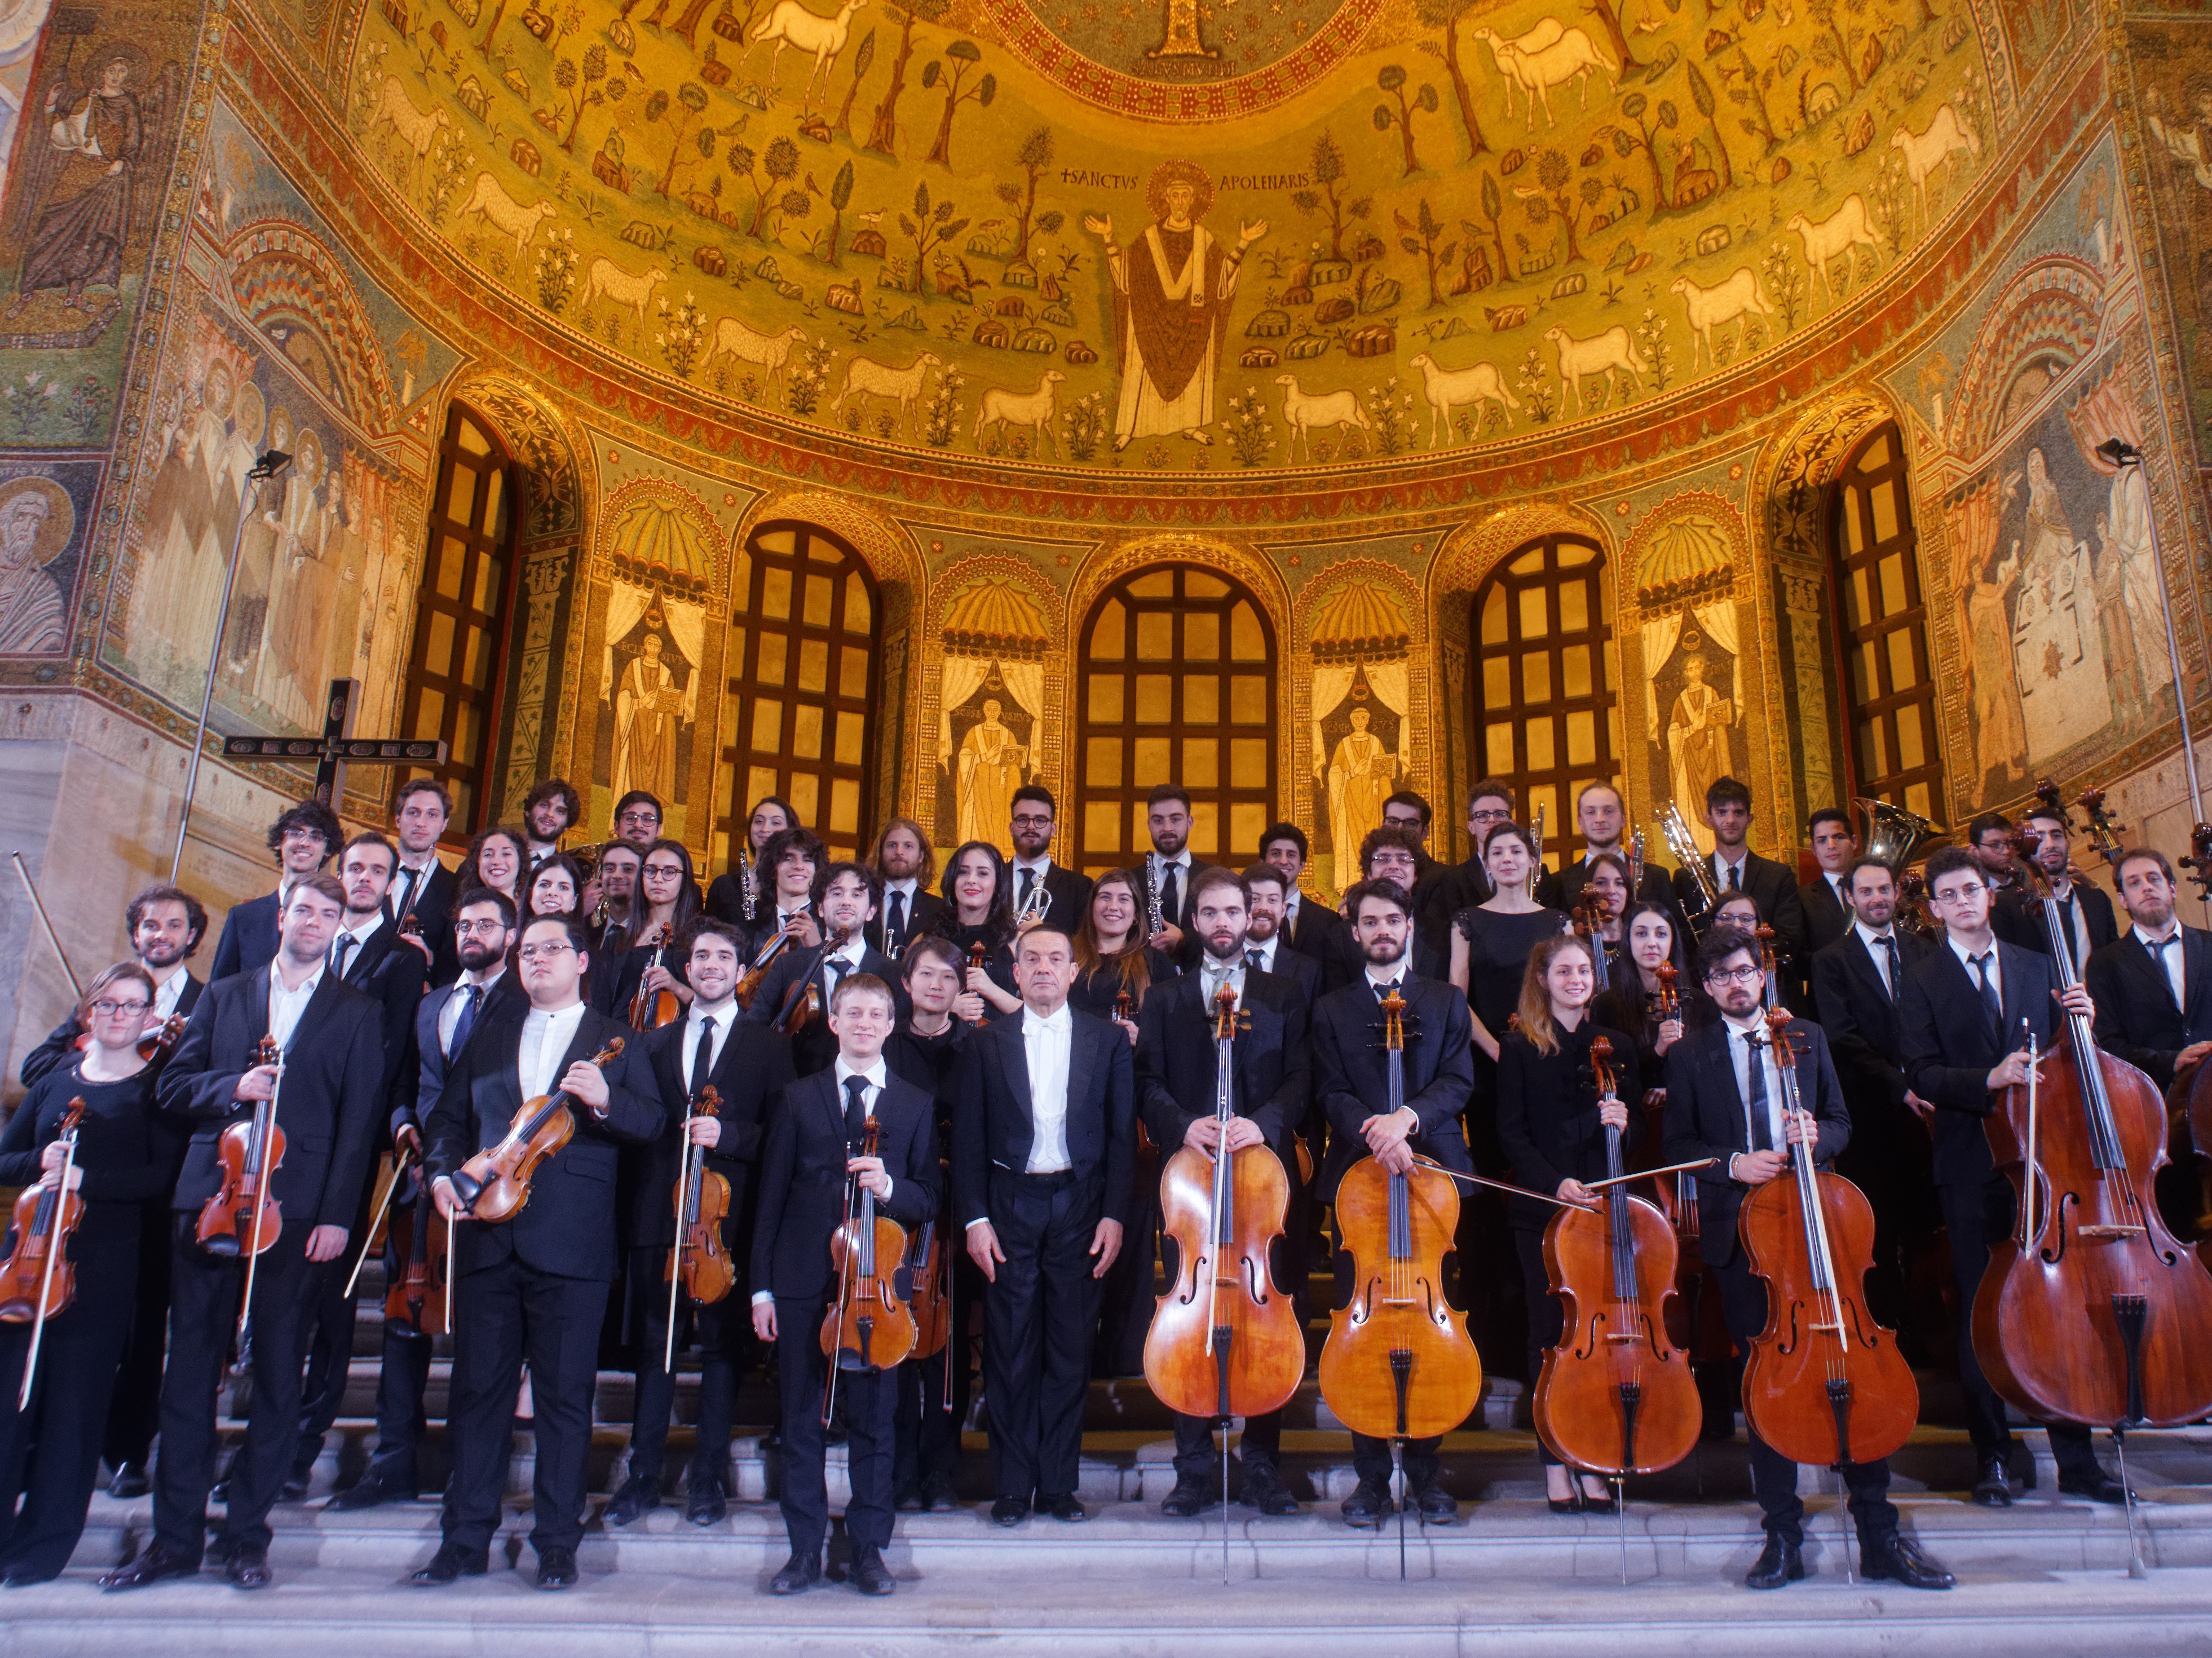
x: 869, y: 1327
x: 1399, y: 1362
x: 2199, y: 861
x: 37, y: 1280
x: 649, y: 1010
x: 417, y: 1303
x: 748, y: 986
x: 494, y: 1185
x: 2091, y: 1311
x: 243, y: 1216
x: 1824, y: 1381
x: 160, y: 1041
x: 1615, y: 1396
x: 1224, y: 1340
x: 698, y: 1265
x: 978, y: 961
x: 803, y: 1001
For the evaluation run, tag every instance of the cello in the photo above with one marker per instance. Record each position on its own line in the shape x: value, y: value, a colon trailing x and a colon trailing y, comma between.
x: 698, y: 1265
x: 37, y: 1280
x: 493, y: 1185
x: 1616, y: 1395
x: 1823, y: 1382
x: 869, y: 1327
x: 2092, y: 1311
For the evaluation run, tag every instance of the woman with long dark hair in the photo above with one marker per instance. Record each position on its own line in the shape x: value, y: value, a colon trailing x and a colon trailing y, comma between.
x: 495, y: 860
x: 668, y: 902
x: 1111, y: 957
x: 735, y: 895
x: 981, y: 912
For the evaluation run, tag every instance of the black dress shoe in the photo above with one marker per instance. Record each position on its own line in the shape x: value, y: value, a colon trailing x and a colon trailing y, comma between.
x: 220, y: 1491
x: 294, y: 1489
x: 153, y: 1563
x: 1010, y: 1510
x: 556, y: 1569
x: 1605, y: 1502
x: 1367, y: 1505
x: 1436, y: 1505
x: 2094, y: 1484
x: 1778, y: 1563
x: 639, y: 1496
x: 247, y: 1567
x: 1187, y: 1500
x: 796, y: 1577
x: 370, y: 1490
x: 706, y: 1501
x: 1565, y: 1505
x: 1264, y: 1492
x: 129, y: 1481
x: 870, y: 1575
x: 26, y: 1579
x: 1065, y: 1508
x: 1992, y: 1490
x: 909, y: 1500
x: 938, y: 1497
x: 451, y: 1561
x: 1899, y: 1559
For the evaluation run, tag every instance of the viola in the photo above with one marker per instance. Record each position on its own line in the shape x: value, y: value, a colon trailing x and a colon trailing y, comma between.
x: 1615, y: 1396
x: 1824, y: 1381
x: 869, y: 1327
x: 2091, y: 1311
x: 649, y: 1010
x: 1399, y: 1362
x: 748, y: 986
x: 37, y: 1280
x: 243, y: 1216
x: 1224, y: 1340
x: 416, y: 1302
x: 494, y: 1185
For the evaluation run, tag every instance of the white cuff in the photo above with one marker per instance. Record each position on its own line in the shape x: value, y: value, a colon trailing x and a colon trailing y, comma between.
x: 761, y: 1296
x: 980, y: 1220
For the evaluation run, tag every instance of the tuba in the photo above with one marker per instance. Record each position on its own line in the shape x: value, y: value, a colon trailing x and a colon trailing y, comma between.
x: 1895, y: 835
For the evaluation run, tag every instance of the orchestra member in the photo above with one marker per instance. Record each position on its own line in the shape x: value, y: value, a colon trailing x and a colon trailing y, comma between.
x: 1352, y: 1072
x: 2085, y: 913
x: 1392, y: 853
x: 331, y: 1071
x: 1265, y: 947
x: 166, y: 924
x: 905, y: 863
x: 424, y: 888
x: 302, y: 839
x: 1178, y: 1065
x: 1962, y: 1020
x: 800, y: 977
x: 1410, y: 811
x: 1309, y: 926
x: 1170, y: 871
x: 1489, y: 802
x: 1632, y: 1004
x: 1067, y: 894
x: 494, y: 860
x: 668, y: 899
x: 1111, y: 957
x: 1603, y: 821
x: 815, y: 1144
x: 1605, y: 894
x: 980, y: 913
x: 446, y: 1021
x: 1827, y: 900
x: 1552, y: 1125
x: 549, y: 811
x: 2152, y: 984
x: 734, y: 897
x: 1735, y: 867
x: 1491, y: 941
x: 557, y: 888
x: 127, y: 1154
x: 793, y: 859
x: 748, y: 1067
x: 637, y: 819
x: 1724, y: 1101
x: 533, y: 1288
x: 1990, y: 837
x: 1044, y: 1136
x: 616, y: 880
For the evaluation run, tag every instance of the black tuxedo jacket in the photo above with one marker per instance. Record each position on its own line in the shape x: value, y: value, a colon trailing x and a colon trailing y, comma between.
x: 392, y: 971
x: 993, y: 1120
x: 432, y: 904
x: 1949, y: 1050
x: 1706, y: 1117
x: 2137, y: 1018
x: 1861, y: 1019
x: 2017, y: 918
x: 60, y: 1045
x: 1825, y: 918
x: 1176, y: 1055
x: 802, y: 1187
x: 328, y: 1104
x: 1067, y: 897
x: 814, y: 1048
x: 249, y: 937
x: 922, y: 915
x: 567, y: 1230
x: 1324, y: 938
x: 1303, y: 974
x: 1353, y: 1077
x: 749, y: 1076
x: 432, y: 1061
x: 1771, y: 885
x: 1563, y: 888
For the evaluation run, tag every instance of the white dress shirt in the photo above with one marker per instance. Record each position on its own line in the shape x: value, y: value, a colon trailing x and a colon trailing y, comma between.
x: 1213, y: 974
x: 1160, y: 866
x: 723, y: 1015
x: 1291, y: 902
x: 1047, y: 1044
x: 1722, y: 863
x: 361, y: 932
x: 1747, y: 1046
x: 449, y: 1016
x: 166, y: 996
x: 1872, y: 940
x: 2170, y: 959
x: 285, y: 1006
x: 545, y: 1041
x: 876, y: 1076
x: 408, y: 881
x: 1266, y: 954
x: 1040, y: 868
x: 1397, y: 973
x: 1995, y: 964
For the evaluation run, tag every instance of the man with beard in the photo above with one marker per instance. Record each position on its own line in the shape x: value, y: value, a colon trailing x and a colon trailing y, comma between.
x: 33, y: 619
x: 549, y: 811
x: 906, y: 864
x: 303, y: 839
x: 1170, y: 873
x: 1067, y: 894
x: 620, y: 866
x: 422, y: 887
x: 2152, y: 984
x: 2085, y: 914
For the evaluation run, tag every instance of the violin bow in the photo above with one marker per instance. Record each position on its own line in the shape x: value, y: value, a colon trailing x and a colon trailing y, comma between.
x: 398, y: 1169
x: 676, y: 1255
x: 53, y: 1253
x: 261, y: 1203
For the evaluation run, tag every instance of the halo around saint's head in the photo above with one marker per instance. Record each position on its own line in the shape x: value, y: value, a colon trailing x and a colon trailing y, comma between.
x: 61, y: 512
x: 1178, y: 173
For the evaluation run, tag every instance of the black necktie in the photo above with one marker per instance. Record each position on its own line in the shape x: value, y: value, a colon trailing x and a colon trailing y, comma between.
x: 1735, y: 877
x: 407, y: 895
x: 1028, y: 886
x: 702, y: 1057
x: 1256, y: 960
x: 856, y: 1110
x: 2159, y: 947
x: 469, y: 1007
x: 1889, y: 945
x: 1992, y: 1008
x: 1168, y: 894
x: 340, y: 951
x: 895, y: 930
x: 1762, y: 1131
x: 1382, y: 991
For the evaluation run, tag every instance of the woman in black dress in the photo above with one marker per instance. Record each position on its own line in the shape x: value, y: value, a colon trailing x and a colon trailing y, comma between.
x: 1111, y: 957
x: 1491, y: 941
x: 668, y: 900
x: 1552, y: 1128
x: 735, y: 896
x: 980, y: 911
x: 1631, y: 1003
x: 128, y: 1152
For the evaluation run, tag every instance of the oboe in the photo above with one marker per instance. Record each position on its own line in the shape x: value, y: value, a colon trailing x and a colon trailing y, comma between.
x: 1152, y: 904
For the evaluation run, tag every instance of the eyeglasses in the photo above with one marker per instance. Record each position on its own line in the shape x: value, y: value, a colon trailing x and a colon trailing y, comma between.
x: 108, y: 1010
x: 1031, y: 820
x: 1961, y: 893
x: 1496, y: 815
x: 467, y: 929
x: 542, y: 952
x: 638, y: 817
x: 1735, y: 975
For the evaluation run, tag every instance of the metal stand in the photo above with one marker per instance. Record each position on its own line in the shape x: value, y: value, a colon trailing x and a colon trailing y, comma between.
x: 2136, y: 1569
x: 1227, y: 1422
x: 1621, y: 1518
x: 1398, y: 1485
x: 1842, y: 1523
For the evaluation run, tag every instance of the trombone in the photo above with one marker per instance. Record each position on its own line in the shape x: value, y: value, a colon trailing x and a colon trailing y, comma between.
x: 1674, y: 829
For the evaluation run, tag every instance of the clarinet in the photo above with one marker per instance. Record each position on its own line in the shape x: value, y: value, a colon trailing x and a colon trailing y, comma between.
x: 1152, y: 904
x: 745, y: 875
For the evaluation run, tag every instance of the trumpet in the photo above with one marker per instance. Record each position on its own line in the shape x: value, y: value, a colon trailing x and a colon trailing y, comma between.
x: 1036, y: 906
x: 1536, y: 852
x: 1674, y: 829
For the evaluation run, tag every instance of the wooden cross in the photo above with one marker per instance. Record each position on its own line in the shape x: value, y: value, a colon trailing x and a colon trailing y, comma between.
x: 334, y: 751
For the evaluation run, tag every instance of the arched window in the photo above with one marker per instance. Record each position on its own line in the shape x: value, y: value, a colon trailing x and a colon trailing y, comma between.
x: 457, y: 670
x: 1546, y: 701
x: 1177, y: 686
x: 803, y: 643
x: 1883, y: 633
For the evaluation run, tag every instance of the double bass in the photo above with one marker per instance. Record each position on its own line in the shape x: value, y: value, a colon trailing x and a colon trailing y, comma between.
x: 494, y: 1185
x: 1616, y: 1396
x: 38, y: 1280
x: 698, y: 1265
x: 869, y: 1327
x: 1823, y: 1382
x: 2092, y: 1311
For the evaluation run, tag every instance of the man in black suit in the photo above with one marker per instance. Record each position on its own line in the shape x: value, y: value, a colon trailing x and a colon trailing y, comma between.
x: 1602, y: 822
x: 1309, y: 927
x: 423, y: 886
x: 446, y: 1021
x: 2085, y: 913
x: 165, y: 925
x: 332, y: 1065
x: 1410, y: 811
x: 905, y: 865
x: 814, y: 1158
x: 2152, y: 984
x: 800, y: 984
x: 792, y: 866
x: 367, y: 953
x: 549, y: 811
x: 1044, y: 1139
x: 617, y: 880
x: 1170, y: 871
x: 1465, y: 884
x: 748, y: 1067
x: 1067, y: 894
x: 302, y: 839
x: 1825, y: 899
x: 1352, y: 1076
x: 1963, y: 1019
x: 1389, y: 853
x: 1265, y: 947
x: 1856, y: 982
x: 1735, y: 867
x: 1177, y: 1070
x: 533, y: 1286
x: 1727, y: 1101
